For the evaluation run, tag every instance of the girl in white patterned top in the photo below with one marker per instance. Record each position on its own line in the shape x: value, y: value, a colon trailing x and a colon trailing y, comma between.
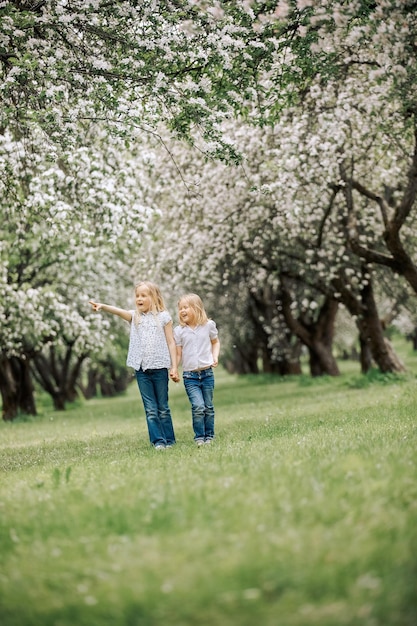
x: 151, y: 353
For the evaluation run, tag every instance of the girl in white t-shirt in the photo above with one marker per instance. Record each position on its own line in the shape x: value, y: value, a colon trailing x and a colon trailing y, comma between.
x: 151, y: 353
x: 198, y: 348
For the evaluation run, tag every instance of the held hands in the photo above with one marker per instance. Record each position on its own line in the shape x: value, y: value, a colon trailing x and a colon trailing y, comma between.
x: 174, y: 376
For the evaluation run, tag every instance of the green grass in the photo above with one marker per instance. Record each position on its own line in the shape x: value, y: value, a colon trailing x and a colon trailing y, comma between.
x: 303, y: 512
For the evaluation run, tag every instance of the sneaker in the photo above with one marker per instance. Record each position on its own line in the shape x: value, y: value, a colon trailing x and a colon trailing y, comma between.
x: 159, y: 446
x: 208, y: 440
x: 200, y: 442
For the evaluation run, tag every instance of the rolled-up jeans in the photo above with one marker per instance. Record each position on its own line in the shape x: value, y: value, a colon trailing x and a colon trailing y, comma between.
x: 199, y: 386
x: 153, y: 387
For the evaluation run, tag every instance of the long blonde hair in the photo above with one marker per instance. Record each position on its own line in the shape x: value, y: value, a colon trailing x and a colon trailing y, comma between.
x: 195, y: 302
x: 157, y: 301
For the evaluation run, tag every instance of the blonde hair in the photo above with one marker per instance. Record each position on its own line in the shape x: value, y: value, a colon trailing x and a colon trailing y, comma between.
x: 157, y: 301
x: 194, y: 301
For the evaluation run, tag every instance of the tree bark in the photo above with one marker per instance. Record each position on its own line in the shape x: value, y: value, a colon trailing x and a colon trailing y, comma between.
x: 381, y: 349
x: 90, y: 389
x: 243, y: 360
x: 413, y: 337
x: 57, y: 376
x: 16, y: 388
x: 316, y: 335
x: 365, y: 351
x: 263, y: 306
x: 374, y: 345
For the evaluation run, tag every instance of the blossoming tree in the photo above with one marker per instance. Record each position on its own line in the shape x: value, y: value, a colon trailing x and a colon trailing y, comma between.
x: 335, y: 176
x: 319, y: 223
x: 67, y: 231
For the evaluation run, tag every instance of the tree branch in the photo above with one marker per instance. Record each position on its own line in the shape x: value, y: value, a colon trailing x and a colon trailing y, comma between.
x: 373, y: 196
x: 410, y: 194
x: 335, y: 191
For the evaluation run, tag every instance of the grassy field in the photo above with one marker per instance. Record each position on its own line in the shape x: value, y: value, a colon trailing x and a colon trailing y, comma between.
x: 303, y: 512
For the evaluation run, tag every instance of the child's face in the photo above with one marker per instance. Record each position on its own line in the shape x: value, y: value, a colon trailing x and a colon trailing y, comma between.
x: 186, y: 313
x: 143, y: 299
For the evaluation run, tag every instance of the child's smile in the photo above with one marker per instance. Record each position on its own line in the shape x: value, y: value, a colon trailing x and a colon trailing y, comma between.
x: 187, y: 315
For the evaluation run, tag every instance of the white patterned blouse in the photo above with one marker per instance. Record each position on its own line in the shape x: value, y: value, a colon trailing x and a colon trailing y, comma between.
x: 148, y: 348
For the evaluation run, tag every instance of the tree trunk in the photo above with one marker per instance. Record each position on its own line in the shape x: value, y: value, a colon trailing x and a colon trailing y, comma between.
x: 268, y: 365
x: 381, y: 349
x: 292, y: 368
x: 288, y: 362
x: 243, y: 360
x: 58, y: 374
x: 366, y: 353
x: 413, y: 338
x: 263, y: 312
x: 46, y: 373
x: 316, y: 335
x: 90, y: 389
x: 321, y: 360
x: 363, y: 307
x: 16, y: 388
x: 322, y: 344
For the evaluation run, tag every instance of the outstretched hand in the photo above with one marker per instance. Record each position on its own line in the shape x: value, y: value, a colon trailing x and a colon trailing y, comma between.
x: 96, y: 305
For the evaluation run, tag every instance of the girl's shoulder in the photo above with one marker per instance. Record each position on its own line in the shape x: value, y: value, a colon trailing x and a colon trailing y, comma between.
x: 212, y: 329
x: 178, y: 333
x: 165, y: 317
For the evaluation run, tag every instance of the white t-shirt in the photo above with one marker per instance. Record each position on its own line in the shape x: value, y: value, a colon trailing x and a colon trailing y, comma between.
x: 196, y: 345
x: 148, y: 348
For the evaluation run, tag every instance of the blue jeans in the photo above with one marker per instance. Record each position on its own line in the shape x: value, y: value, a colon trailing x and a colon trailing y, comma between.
x: 199, y: 387
x: 153, y: 387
